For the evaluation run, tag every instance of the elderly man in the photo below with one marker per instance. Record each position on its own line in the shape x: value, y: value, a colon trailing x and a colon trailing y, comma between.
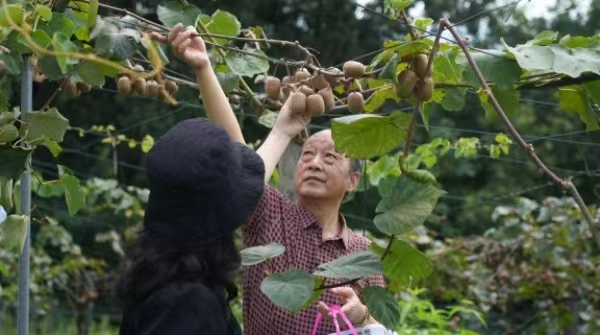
x: 312, y: 229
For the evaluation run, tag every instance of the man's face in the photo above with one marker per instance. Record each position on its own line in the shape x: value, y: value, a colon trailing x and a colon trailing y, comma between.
x: 323, y: 173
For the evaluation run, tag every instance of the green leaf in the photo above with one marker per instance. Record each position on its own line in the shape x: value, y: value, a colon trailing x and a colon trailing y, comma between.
x: 50, y: 124
x: 574, y: 99
x: 421, y: 176
x: 14, y: 11
x: 74, y: 194
x: 61, y: 23
x: 378, y: 98
x: 545, y: 37
x: 383, y: 306
x: 53, y: 147
x: 224, y: 23
x: 177, y: 12
x: 49, y: 66
x: 352, y: 266
x: 576, y: 61
x: 92, y: 13
x: 12, y: 161
x: 466, y: 147
x: 508, y: 100
x: 114, y: 43
x: 8, y: 133
x: 41, y: 38
x: 454, y: 99
x: 247, y: 65
x: 503, y: 72
x: 404, y: 264
x: 501, y: 138
x: 398, y: 4
x: 289, y: 290
x: 13, y: 62
x: 94, y: 73
x: 78, y: 12
x: 494, y: 151
x: 261, y: 253
x: 13, y: 232
x: 6, y: 190
x: 61, y: 43
x: 576, y: 41
x: 423, y: 22
x: 268, y: 118
x: 405, y: 204
x: 385, y: 166
x: 365, y: 136
x: 445, y: 70
x: 389, y: 70
x: 147, y: 143
x: 44, y: 11
x: 228, y: 80
x: 402, y: 48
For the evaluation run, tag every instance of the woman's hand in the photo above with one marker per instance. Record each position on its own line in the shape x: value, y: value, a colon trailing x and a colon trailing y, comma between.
x: 187, y: 46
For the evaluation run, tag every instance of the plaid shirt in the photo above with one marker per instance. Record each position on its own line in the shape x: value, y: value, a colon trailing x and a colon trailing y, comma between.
x: 276, y: 219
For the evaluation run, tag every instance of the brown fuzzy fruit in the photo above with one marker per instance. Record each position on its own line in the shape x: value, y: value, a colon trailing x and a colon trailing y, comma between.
x: 419, y: 65
x: 328, y: 99
x: 84, y: 87
x: 335, y: 81
x: 424, y: 90
x: 152, y: 88
x: 407, y: 80
x: 298, y: 103
x: 124, y: 85
x: 315, y: 106
x: 356, y: 102
x: 304, y: 89
x: 171, y: 86
x: 70, y: 88
x: 301, y: 74
x: 354, y: 69
x: 139, y: 86
x: 272, y: 87
x: 319, y: 82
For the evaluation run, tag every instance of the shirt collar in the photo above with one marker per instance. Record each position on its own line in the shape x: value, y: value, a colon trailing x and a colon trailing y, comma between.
x: 308, y: 220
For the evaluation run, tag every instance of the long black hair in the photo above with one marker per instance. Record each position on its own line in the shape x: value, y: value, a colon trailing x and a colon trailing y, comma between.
x: 148, y: 267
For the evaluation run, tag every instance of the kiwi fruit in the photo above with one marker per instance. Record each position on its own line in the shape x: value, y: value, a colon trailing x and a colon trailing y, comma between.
x: 171, y: 86
x: 152, y: 88
x: 138, y: 68
x: 272, y: 87
x: 124, y: 85
x: 84, y: 87
x: 419, y: 65
x: 70, y: 88
x: 424, y: 90
x: 319, y: 82
x: 354, y: 69
x: 328, y: 99
x: 356, y: 102
x: 306, y: 90
x: 408, y: 80
x: 298, y: 103
x: 139, y: 86
x: 335, y: 81
x: 301, y: 74
x: 315, y: 105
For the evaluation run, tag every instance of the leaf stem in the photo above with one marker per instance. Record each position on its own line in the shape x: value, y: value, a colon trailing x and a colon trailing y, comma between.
x: 528, y: 148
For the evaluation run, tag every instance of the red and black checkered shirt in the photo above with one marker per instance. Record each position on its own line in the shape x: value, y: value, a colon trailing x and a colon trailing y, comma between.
x: 277, y: 219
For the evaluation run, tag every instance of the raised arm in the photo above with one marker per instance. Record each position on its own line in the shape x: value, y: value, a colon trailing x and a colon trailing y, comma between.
x: 190, y: 48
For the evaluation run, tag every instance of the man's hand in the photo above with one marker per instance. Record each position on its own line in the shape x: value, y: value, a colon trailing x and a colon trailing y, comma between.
x: 288, y: 123
x: 187, y: 46
x: 351, y: 305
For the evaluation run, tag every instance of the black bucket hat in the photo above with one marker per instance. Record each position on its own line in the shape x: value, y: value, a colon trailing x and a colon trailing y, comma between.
x: 202, y: 185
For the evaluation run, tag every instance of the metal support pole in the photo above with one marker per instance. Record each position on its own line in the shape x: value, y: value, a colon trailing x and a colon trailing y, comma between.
x: 23, y: 310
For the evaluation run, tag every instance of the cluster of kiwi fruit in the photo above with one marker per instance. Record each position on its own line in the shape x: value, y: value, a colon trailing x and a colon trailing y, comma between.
x: 128, y: 85
x: 74, y: 89
x: 414, y: 80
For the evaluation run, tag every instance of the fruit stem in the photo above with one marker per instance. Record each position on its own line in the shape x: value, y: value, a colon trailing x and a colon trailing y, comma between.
x: 528, y: 148
x: 243, y: 83
x: 408, y: 25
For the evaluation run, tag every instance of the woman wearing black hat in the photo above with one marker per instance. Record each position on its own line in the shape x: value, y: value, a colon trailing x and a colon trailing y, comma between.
x: 179, y: 272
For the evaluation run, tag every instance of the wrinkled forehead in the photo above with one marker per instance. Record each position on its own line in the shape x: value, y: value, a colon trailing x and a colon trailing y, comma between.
x: 321, y: 141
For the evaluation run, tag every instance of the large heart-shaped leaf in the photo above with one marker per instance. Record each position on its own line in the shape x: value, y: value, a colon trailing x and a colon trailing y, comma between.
x: 382, y: 305
x: 352, y: 266
x: 405, y: 204
x: 403, y: 264
x: 223, y: 23
x: 245, y: 64
x: 379, y: 97
x: 74, y: 195
x: 290, y: 290
x: 62, y: 43
x: 175, y: 12
x: 576, y: 99
x: 261, y: 253
x: 40, y: 124
x: 12, y: 161
x: 13, y: 11
x: 365, y: 136
x: 494, y: 66
x: 8, y: 133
